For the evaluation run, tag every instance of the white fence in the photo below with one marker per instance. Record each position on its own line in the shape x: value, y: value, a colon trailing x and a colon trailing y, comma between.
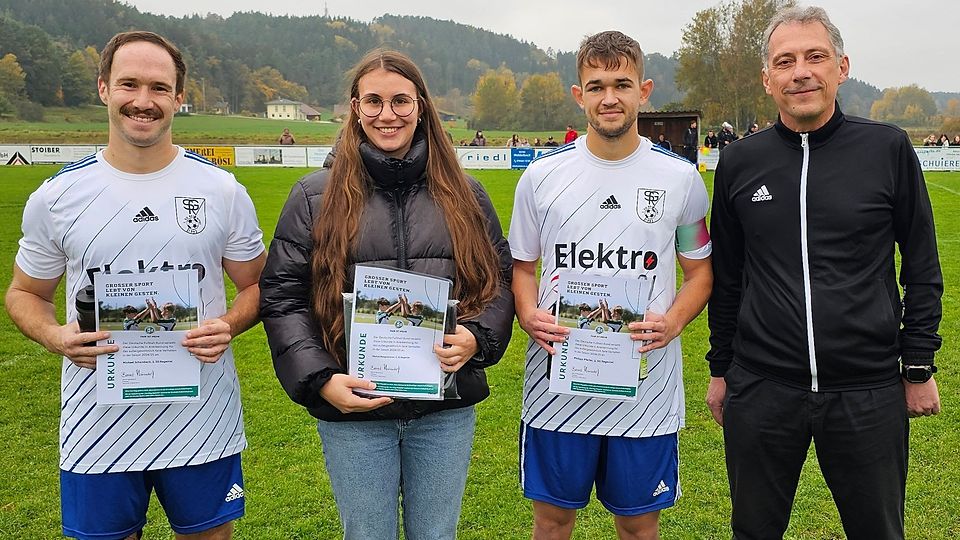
x: 932, y: 158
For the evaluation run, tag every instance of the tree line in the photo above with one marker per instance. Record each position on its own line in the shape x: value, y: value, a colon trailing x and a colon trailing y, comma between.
x: 48, y: 56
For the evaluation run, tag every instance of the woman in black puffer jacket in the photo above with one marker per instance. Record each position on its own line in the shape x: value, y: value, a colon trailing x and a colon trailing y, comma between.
x: 394, y: 196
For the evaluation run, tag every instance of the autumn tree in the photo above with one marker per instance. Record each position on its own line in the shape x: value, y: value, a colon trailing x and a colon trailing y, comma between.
x: 269, y: 84
x: 12, y: 83
x: 544, y: 104
x: 496, y: 101
x: 12, y: 78
x: 79, y: 80
x: 39, y: 58
x: 905, y: 106
x: 720, y: 63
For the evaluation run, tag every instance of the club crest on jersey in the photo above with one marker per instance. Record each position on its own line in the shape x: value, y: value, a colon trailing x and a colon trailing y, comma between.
x: 191, y: 214
x: 650, y: 204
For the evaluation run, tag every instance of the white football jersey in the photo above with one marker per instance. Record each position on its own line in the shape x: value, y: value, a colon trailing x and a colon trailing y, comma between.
x: 91, y: 218
x: 581, y: 214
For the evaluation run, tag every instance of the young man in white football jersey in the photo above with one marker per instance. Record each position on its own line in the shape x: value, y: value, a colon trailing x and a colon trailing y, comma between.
x: 142, y: 205
x: 612, y: 204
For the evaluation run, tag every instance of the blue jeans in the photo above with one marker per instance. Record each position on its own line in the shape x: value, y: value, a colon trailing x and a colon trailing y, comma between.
x: 423, y: 462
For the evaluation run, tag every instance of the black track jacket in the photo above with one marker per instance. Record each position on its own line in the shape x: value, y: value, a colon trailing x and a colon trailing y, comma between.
x: 804, y: 228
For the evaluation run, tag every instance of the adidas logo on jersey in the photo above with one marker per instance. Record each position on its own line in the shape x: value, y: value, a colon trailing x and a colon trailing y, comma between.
x: 236, y: 492
x: 145, y: 215
x: 610, y: 204
x: 762, y: 195
x: 661, y: 488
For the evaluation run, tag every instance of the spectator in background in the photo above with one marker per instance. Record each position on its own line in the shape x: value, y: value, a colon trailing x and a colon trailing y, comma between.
x: 956, y: 141
x: 726, y: 135
x: 711, y: 140
x: 524, y: 142
x: 662, y: 142
x: 571, y: 135
x: 751, y: 130
x: 286, y: 138
x: 690, y: 138
x: 513, y: 141
x: 931, y: 140
x: 537, y: 141
x: 478, y: 140
x: 551, y: 142
x: 944, y: 140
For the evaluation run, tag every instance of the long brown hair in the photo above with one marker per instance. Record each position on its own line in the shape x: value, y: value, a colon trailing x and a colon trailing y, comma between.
x: 338, y: 221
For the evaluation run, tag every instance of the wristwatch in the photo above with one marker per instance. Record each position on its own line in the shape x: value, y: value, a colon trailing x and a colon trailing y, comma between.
x: 917, y: 374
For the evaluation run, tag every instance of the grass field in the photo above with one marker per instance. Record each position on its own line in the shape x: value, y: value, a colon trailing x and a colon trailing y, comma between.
x: 88, y: 125
x: 288, y: 495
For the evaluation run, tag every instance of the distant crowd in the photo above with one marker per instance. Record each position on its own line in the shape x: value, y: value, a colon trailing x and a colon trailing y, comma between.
x: 943, y: 140
x: 517, y: 141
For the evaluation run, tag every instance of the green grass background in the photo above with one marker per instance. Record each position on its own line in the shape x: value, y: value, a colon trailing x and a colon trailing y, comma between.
x: 287, y: 491
x: 88, y: 125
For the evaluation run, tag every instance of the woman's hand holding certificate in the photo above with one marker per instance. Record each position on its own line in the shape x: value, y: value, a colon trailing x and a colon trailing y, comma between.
x: 458, y: 349
x: 339, y: 392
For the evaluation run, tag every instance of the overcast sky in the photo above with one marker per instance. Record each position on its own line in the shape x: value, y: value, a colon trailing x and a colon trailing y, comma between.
x: 889, y: 43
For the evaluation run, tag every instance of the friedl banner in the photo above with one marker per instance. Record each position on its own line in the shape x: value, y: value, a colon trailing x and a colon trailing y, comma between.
x: 477, y: 157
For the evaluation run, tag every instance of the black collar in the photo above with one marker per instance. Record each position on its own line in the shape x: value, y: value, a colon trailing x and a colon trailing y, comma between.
x: 390, y: 173
x: 816, y: 137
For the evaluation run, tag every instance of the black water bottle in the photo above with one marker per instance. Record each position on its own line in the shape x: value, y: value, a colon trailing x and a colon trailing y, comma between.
x: 86, y: 312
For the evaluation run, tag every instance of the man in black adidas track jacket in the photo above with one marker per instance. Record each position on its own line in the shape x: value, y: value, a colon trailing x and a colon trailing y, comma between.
x: 807, y: 326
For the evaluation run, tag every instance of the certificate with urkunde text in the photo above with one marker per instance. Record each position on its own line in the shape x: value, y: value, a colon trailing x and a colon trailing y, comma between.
x: 148, y: 316
x: 598, y: 358
x: 397, y: 319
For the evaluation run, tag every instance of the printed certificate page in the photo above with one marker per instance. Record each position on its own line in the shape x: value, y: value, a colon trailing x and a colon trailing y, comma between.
x: 397, y: 319
x: 598, y: 359
x: 148, y: 316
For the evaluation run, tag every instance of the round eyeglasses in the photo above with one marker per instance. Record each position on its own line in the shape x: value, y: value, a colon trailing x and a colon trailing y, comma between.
x: 371, y: 106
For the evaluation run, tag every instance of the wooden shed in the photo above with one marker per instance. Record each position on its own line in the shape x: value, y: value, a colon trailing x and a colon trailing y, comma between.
x: 672, y: 124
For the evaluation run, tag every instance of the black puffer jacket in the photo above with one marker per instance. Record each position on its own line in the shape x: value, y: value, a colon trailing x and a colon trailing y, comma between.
x: 401, y: 227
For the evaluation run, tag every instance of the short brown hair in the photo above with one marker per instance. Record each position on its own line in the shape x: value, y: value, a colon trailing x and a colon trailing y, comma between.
x: 121, y: 39
x: 608, y: 50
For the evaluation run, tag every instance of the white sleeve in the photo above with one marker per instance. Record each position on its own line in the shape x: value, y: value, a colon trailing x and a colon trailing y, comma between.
x: 244, y: 238
x: 40, y: 254
x: 524, y: 236
x: 697, y: 202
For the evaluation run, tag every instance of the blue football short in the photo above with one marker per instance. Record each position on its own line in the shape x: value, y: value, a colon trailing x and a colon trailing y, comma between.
x: 111, y: 506
x: 633, y: 476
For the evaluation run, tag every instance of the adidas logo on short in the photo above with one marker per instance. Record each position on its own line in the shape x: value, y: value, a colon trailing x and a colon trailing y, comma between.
x: 610, y: 204
x: 661, y: 488
x: 762, y: 195
x: 236, y: 492
x: 145, y: 215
